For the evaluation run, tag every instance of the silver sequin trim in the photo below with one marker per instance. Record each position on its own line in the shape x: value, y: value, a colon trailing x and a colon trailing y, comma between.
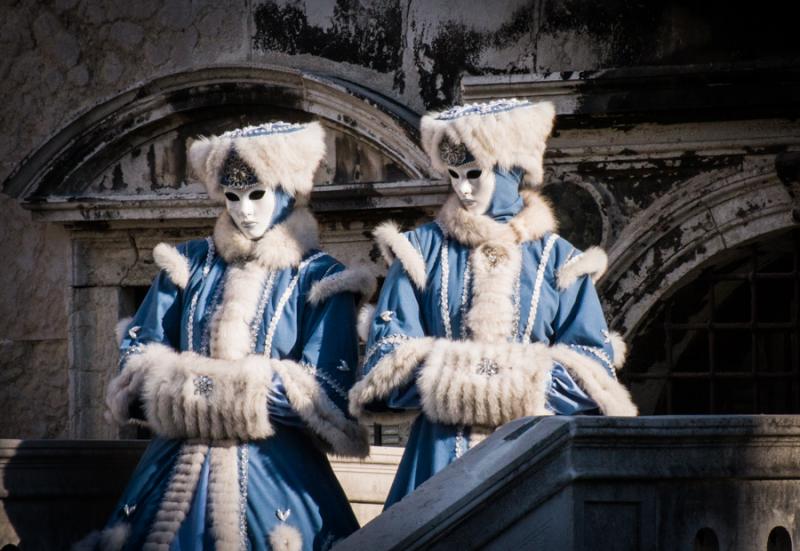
x: 211, y: 308
x: 515, y: 328
x: 537, y: 286
x: 327, y: 379
x: 443, y: 300
x: 391, y: 339
x: 244, y: 458
x: 465, y: 293
x: 276, y: 316
x: 196, y: 296
x: 460, y: 447
x: 258, y: 320
x: 598, y: 352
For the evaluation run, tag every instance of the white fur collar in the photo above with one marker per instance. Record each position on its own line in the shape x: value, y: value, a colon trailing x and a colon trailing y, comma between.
x: 282, y: 246
x: 532, y: 222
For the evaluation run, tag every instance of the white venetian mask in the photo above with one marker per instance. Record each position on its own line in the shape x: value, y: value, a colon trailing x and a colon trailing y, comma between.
x: 251, y: 209
x: 473, y: 186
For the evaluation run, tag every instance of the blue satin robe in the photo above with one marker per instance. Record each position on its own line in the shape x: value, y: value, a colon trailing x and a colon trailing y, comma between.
x: 573, y: 316
x: 287, y: 471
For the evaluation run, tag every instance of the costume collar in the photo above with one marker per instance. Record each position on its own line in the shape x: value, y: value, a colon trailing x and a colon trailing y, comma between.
x: 531, y: 223
x: 282, y: 246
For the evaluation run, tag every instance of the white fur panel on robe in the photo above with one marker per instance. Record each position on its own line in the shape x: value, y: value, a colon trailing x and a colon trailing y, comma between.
x: 112, y: 538
x: 235, y: 406
x: 288, y: 159
x: 223, y: 496
x: 169, y: 259
x: 592, y: 262
x: 230, y: 326
x: 393, y: 244
x: 364, y: 322
x: 344, y: 436
x: 495, y: 266
x: 514, y: 138
x: 178, y: 498
x: 484, y: 384
x: 358, y: 280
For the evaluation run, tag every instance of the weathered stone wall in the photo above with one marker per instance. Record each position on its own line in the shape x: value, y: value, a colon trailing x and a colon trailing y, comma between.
x: 61, y: 59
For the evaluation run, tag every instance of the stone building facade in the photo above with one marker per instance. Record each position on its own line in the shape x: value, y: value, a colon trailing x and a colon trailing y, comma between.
x: 677, y: 144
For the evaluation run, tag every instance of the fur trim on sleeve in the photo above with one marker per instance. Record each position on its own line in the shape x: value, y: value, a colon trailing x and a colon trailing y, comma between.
x: 593, y: 261
x: 173, y: 262
x: 352, y: 280
x: 346, y: 437
x: 514, y: 137
x: 611, y: 397
x: 620, y: 349
x: 191, y: 396
x: 364, y: 324
x: 392, y: 371
x: 484, y: 384
x: 393, y: 244
x: 285, y: 537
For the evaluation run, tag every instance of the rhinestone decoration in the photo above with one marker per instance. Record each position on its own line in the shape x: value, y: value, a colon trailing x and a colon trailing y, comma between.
x: 203, y: 385
x: 488, y: 108
x: 133, y: 332
x: 237, y: 174
x: 452, y: 153
x: 386, y: 315
x: 266, y: 129
x: 487, y: 367
x: 342, y: 366
x: 491, y: 255
x: 606, y: 336
x: 128, y: 510
x: 283, y: 514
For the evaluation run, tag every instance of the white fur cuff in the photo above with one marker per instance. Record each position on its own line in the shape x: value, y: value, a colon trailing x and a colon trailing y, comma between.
x: 352, y: 280
x: 470, y: 383
x: 393, y: 244
x: 190, y: 396
x: 344, y: 436
x: 593, y: 262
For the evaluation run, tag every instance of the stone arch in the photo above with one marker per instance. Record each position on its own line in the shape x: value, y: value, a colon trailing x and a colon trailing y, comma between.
x: 186, y: 103
x: 669, y: 242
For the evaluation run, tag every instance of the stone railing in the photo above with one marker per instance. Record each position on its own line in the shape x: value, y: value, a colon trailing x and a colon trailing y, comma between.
x: 53, y: 492
x: 702, y: 483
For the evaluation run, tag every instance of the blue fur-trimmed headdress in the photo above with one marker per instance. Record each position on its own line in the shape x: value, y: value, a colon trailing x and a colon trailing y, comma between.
x: 506, y: 133
x: 277, y: 154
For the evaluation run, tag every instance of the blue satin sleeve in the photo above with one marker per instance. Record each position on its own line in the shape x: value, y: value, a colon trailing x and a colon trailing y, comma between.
x: 157, y: 319
x: 329, y: 347
x: 398, y: 318
x: 581, y: 325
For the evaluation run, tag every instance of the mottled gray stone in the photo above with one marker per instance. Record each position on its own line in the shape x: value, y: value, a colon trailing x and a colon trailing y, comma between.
x: 605, y: 483
x: 128, y: 35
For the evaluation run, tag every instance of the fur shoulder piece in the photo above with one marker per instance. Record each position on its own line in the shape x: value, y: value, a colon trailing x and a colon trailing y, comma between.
x: 393, y: 244
x: 351, y: 280
x: 169, y: 259
x: 508, y: 133
x: 279, y: 153
x: 593, y: 262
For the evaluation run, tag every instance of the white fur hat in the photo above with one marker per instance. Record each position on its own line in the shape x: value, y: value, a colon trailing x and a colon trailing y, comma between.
x: 507, y: 133
x: 279, y: 154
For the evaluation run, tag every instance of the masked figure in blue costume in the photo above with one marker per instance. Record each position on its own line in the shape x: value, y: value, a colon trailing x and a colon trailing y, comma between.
x: 486, y: 314
x: 242, y: 355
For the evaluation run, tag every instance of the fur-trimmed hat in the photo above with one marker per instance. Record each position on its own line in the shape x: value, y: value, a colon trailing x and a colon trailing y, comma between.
x: 506, y: 133
x: 277, y: 154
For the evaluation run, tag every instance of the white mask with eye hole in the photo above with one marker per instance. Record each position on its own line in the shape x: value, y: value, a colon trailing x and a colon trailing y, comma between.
x: 473, y: 186
x: 251, y: 209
